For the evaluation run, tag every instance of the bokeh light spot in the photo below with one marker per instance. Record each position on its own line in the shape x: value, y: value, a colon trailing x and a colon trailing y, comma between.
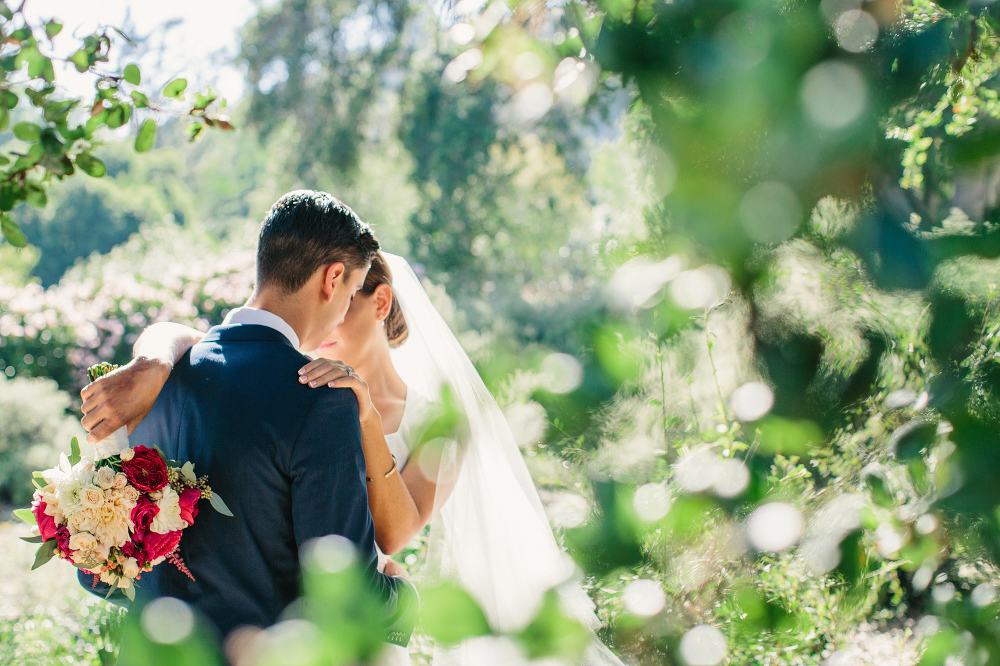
x: 167, y: 620
x: 774, y: 527
x: 703, y: 645
x: 752, y: 401
x: 856, y: 30
x: 770, y: 212
x: 651, y: 502
x: 561, y: 373
x: 644, y: 597
x: 330, y: 554
x: 834, y: 94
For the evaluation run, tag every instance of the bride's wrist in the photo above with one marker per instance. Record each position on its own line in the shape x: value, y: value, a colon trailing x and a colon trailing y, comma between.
x: 372, y: 419
x: 161, y: 366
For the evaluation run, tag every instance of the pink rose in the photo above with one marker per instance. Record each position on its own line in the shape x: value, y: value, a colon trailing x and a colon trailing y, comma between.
x: 46, y: 523
x: 161, y: 545
x: 142, y: 515
x: 189, y: 504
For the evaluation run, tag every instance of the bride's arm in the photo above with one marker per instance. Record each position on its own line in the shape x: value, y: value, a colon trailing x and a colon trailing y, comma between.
x: 400, y: 504
x: 125, y: 396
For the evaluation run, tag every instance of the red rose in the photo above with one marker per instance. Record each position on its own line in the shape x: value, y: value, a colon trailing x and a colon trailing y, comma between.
x: 46, y: 523
x: 189, y: 504
x: 62, y: 540
x: 160, y: 545
x: 135, y: 549
x: 146, y: 470
x: 142, y: 515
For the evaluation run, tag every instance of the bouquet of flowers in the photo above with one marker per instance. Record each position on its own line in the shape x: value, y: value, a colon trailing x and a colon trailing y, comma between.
x: 118, y: 516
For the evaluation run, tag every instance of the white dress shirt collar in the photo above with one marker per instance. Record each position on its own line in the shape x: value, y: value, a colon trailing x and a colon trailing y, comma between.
x: 248, y: 315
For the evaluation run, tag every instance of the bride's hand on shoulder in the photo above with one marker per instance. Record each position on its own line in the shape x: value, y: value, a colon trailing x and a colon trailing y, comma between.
x: 394, y: 568
x: 123, y: 397
x: 323, y: 372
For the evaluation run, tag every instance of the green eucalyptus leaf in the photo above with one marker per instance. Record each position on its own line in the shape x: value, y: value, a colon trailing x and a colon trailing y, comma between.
x: 117, y: 116
x: 9, y: 99
x: 26, y: 515
x: 45, y: 553
x: 12, y: 232
x: 33, y: 539
x: 219, y: 505
x: 175, y: 88
x: 140, y: 100
x: 91, y: 165
x: 188, y: 471
x: 27, y: 131
x: 132, y: 74
x: 146, y: 137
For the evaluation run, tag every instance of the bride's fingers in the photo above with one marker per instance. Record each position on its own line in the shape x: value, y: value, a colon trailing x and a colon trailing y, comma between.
x: 327, y: 376
x: 316, y: 370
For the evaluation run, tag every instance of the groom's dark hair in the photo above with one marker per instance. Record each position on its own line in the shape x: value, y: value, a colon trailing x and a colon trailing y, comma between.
x: 305, y: 230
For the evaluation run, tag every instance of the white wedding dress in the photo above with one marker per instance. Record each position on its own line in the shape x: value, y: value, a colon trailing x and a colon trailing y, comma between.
x: 490, y: 534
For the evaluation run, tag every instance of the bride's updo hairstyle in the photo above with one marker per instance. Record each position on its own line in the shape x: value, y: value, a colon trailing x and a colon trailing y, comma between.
x: 395, y: 324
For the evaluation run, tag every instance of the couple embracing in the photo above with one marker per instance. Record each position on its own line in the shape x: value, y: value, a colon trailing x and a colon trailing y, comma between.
x: 308, y: 448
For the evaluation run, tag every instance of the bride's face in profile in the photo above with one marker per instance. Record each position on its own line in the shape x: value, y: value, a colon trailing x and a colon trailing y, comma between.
x: 353, y: 340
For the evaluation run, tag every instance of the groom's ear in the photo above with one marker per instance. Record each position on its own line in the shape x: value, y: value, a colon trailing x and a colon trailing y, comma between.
x: 332, y: 277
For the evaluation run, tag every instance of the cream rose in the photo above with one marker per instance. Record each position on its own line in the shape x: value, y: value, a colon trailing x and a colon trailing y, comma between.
x: 120, y: 480
x: 91, y: 497
x: 105, y: 478
x: 131, y: 567
x: 169, y: 518
x: 127, y: 454
x: 132, y: 494
x: 83, y: 541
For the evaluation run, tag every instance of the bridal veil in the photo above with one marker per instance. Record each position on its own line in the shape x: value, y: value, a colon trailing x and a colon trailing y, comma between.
x: 490, y: 534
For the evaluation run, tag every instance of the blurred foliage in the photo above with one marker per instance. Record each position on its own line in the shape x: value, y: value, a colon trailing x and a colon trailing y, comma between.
x: 60, y: 133
x: 35, y: 428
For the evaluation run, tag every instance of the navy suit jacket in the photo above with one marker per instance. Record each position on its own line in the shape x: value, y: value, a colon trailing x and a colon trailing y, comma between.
x: 285, y: 458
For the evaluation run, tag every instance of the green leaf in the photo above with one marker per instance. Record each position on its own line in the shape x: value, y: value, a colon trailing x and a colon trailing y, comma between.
x: 35, y: 195
x: 219, y: 505
x: 53, y: 28
x: 91, y: 165
x: 37, y: 484
x: 141, y: 101
x: 5, y: 12
x: 27, y: 131
x: 112, y: 587
x: 193, y: 130
x: 9, y: 99
x: 175, y: 88
x: 553, y: 634
x: 188, y: 471
x: 118, y: 115
x: 130, y: 592
x: 146, y: 137
x: 80, y: 59
x: 74, y: 447
x: 450, y: 614
x: 12, y: 232
x: 33, y: 539
x: 132, y: 74
x: 45, y: 553
x: 26, y: 515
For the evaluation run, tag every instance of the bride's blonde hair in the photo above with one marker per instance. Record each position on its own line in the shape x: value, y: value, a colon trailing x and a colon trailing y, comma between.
x: 395, y: 323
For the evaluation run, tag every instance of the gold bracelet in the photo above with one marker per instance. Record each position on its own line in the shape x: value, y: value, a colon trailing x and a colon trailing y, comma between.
x: 395, y: 468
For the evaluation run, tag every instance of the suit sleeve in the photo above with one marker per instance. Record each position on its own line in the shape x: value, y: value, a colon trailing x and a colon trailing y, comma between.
x: 330, y: 496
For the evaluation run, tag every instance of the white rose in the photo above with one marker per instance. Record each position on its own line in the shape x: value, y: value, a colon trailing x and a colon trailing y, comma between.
x: 126, y: 455
x: 109, y: 578
x: 113, y: 444
x: 91, y: 497
x: 105, y: 478
x: 131, y: 567
x: 131, y: 494
x: 169, y: 518
x: 120, y: 480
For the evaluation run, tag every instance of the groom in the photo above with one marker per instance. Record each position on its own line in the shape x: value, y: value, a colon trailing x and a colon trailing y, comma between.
x: 286, y: 459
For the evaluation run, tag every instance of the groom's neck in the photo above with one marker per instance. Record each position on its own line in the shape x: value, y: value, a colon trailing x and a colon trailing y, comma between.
x: 290, y: 307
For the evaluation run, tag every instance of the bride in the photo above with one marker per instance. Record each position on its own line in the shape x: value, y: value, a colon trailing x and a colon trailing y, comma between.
x: 488, y: 529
